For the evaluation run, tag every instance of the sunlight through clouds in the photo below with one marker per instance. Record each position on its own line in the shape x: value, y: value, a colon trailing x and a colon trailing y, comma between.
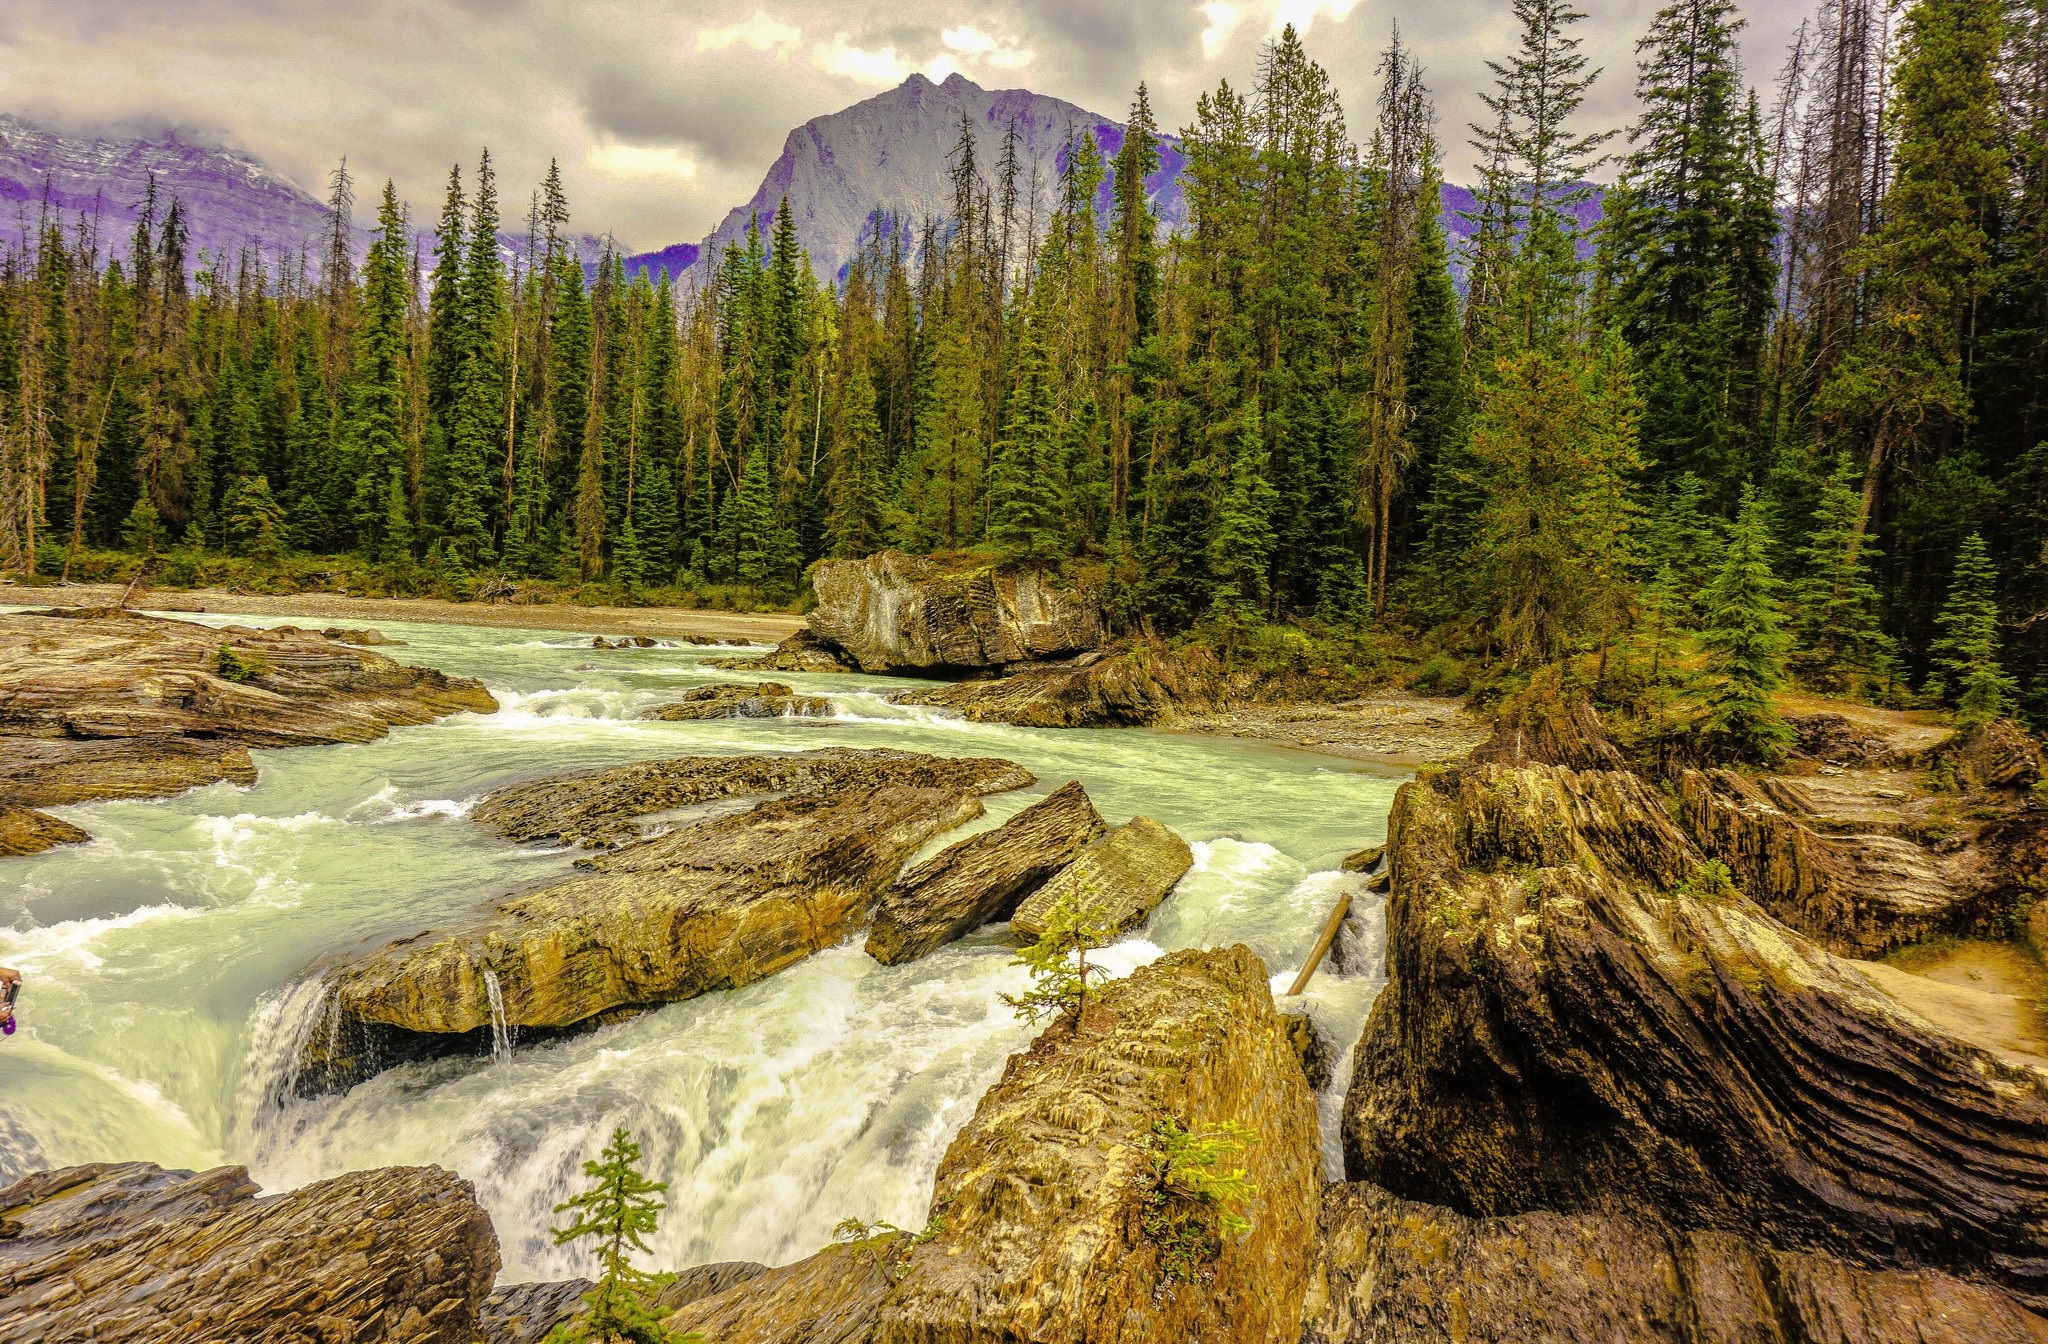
x: 762, y: 32
x: 641, y: 161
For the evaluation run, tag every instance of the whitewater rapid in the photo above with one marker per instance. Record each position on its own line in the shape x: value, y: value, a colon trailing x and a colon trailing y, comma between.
x: 168, y: 961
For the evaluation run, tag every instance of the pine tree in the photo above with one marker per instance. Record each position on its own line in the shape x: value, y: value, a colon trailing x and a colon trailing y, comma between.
x: 255, y: 521
x: 376, y: 425
x: 1745, y: 643
x: 1027, y: 517
x: 1840, y: 644
x: 854, y: 524
x: 1966, y: 657
x: 1241, y: 552
x: 477, y: 414
x: 617, y: 1214
x: 656, y: 509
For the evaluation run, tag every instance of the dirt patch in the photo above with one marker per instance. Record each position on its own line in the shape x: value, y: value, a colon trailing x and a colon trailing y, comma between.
x: 1987, y: 993
x: 671, y: 622
x: 1906, y: 731
x: 1393, y: 727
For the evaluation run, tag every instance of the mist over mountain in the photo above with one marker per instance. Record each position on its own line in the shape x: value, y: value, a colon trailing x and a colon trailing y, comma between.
x: 886, y: 156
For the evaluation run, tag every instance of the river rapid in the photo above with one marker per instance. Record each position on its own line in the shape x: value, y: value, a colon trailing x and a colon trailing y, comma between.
x: 169, y: 962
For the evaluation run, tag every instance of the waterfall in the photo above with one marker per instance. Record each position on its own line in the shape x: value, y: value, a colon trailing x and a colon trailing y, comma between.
x: 501, y: 1035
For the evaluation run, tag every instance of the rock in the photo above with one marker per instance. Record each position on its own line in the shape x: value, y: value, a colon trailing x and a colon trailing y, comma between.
x: 1858, y: 895
x: 1311, y: 1048
x: 893, y: 612
x: 23, y: 830
x: 132, y: 1252
x: 1389, y: 1271
x: 600, y: 807
x: 1838, y: 740
x: 524, y: 1313
x: 1550, y: 723
x: 768, y: 700
x: 829, y: 1298
x: 1044, y: 1191
x: 982, y: 878
x: 1365, y: 860
x: 1130, y: 689
x: 1995, y: 755
x: 801, y: 652
x: 624, y: 642
x: 1565, y: 1028
x: 1128, y: 873
x: 715, y: 905
x: 98, y: 703
x: 361, y: 638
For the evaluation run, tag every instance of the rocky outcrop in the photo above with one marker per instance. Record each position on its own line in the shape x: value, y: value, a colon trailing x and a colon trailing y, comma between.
x: 23, y: 830
x: 1995, y: 755
x: 1044, y: 1193
x: 524, y: 1313
x: 768, y: 700
x: 1550, y: 723
x: 1389, y: 1271
x: 1578, y: 1020
x: 600, y: 807
x: 801, y: 652
x: 1125, y: 875
x: 982, y: 878
x: 897, y: 613
x: 828, y: 1298
x: 1857, y: 894
x: 100, y: 703
x: 132, y: 1252
x: 714, y: 905
x: 1131, y: 688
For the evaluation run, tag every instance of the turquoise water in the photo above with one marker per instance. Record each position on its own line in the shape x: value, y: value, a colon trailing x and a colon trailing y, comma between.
x: 170, y: 962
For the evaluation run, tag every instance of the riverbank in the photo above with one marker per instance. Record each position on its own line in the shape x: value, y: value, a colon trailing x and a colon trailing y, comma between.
x: 656, y: 622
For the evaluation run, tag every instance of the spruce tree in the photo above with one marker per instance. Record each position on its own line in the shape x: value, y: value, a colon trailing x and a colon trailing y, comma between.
x: 1966, y: 656
x: 656, y: 510
x: 854, y: 523
x: 617, y: 1214
x: 1840, y: 644
x: 376, y: 424
x: 476, y: 430
x: 1027, y: 516
x: 1743, y: 636
x: 1241, y: 551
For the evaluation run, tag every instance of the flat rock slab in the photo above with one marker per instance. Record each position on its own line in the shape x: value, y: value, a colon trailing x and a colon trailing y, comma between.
x: 828, y: 1298
x: 601, y: 807
x: 23, y: 830
x: 1390, y: 1269
x: 131, y: 1252
x: 712, y: 905
x: 767, y: 700
x: 1127, y: 874
x: 98, y: 704
x: 982, y: 878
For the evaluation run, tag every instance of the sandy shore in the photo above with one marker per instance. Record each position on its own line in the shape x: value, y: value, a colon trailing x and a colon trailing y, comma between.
x: 337, y: 609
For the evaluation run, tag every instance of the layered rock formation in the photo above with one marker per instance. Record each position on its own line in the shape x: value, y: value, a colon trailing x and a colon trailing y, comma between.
x: 1578, y: 1019
x: 897, y: 613
x: 99, y: 704
x: 524, y: 1313
x: 713, y: 905
x: 1389, y: 1271
x: 601, y: 807
x: 829, y: 1298
x: 1043, y: 1193
x: 23, y: 830
x: 130, y: 1251
x: 767, y: 700
x: 801, y: 652
x: 1127, y: 689
x: 982, y: 878
x: 1124, y: 876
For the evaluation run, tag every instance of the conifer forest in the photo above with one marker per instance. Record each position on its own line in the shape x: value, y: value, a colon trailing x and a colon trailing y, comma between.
x: 1781, y: 415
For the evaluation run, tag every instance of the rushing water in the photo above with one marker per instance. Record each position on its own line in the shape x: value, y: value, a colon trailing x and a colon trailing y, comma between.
x: 167, y: 961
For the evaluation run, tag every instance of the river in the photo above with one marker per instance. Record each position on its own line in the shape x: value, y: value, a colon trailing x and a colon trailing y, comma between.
x: 168, y: 961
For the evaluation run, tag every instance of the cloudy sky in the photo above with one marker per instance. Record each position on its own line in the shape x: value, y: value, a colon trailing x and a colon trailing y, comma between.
x: 664, y: 113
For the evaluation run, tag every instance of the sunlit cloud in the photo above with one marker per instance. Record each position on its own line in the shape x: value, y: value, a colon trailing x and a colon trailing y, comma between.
x: 979, y: 48
x: 628, y: 161
x: 1304, y: 13
x: 763, y: 32
x: 1223, y: 21
x: 881, y: 67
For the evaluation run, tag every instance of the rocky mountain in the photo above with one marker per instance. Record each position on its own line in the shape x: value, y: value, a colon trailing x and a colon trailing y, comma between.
x: 889, y: 156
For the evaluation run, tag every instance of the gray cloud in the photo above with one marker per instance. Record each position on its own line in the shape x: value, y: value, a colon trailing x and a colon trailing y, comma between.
x: 664, y: 113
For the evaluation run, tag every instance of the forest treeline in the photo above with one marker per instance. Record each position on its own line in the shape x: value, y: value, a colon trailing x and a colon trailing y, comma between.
x: 1786, y: 400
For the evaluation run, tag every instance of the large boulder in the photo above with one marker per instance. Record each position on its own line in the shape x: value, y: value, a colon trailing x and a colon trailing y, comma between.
x: 898, y: 613
x: 1579, y: 1018
x: 982, y: 878
x: 1039, y: 1204
x: 768, y: 700
x: 1126, y: 874
x: 132, y: 1252
x: 102, y: 703
x: 801, y: 652
x: 602, y: 807
x: 1390, y: 1271
x: 714, y: 905
x: 828, y: 1298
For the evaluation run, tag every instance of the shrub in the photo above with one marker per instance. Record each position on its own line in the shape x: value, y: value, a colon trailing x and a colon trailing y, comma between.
x: 884, y: 1245
x: 1198, y: 1195
x: 238, y: 665
x: 1711, y: 882
x: 1058, y: 961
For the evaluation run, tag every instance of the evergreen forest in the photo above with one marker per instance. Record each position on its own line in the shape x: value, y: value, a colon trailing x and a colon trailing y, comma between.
x: 1781, y: 415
